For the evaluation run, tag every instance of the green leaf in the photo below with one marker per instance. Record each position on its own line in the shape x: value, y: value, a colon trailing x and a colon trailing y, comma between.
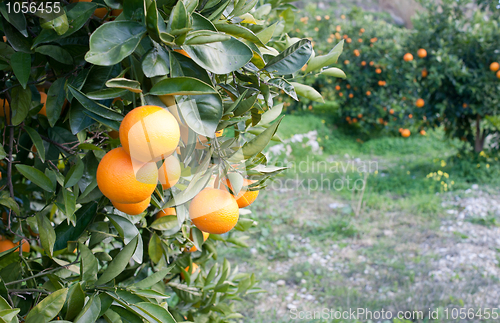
x: 18, y: 41
x: 152, y: 279
x: 195, y: 186
x: 266, y: 34
x: 149, y: 293
x: 21, y: 66
x: 335, y: 72
x: 257, y: 144
x: 199, y: 37
x: 69, y: 203
x: 48, y: 308
x: 74, y: 174
x: 119, y: 263
x: 58, y: 53
x: 37, y: 141
x: 90, y: 312
x: 10, y: 203
x: 75, y: 301
x: 179, y: 19
x: 307, y: 92
x: 244, y: 224
x: 56, y: 98
x: 285, y: 86
x: 47, y: 234
x: 113, y: 41
x: 240, y: 31
x: 89, y: 266
x: 242, y: 7
x: 201, y: 112
x: 128, y: 231
x: 36, y: 176
x: 182, y: 85
x: 245, y: 105
x: 289, y: 18
x: 318, y: 62
x: 16, y: 19
x: 221, y: 58
x: 154, y: 312
x: 66, y: 232
x: 202, y: 23
x: 291, y: 59
x: 106, y: 94
x: 123, y: 83
x: 3, y: 154
x: 20, y: 105
x: 165, y: 223
x: 118, y: 314
x: 59, y: 24
x: 155, y: 249
x: 9, y: 315
x: 95, y: 107
x: 156, y: 62
x: 271, y: 114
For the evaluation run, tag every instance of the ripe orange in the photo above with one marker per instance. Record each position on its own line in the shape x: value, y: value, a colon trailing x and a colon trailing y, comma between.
x: 124, y: 181
x: 166, y: 212
x: 391, y: 111
x: 132, y: 208
x: 498, y: 74
x: 205, y: 237
x: 351, y: 95
x: 195, y: 268
x: 424, y: 73
x: 348, y: 118
x: 360, y: 40
x: 494, y: 66
x: 410, y: 116
x: 400, y: 130
x: 372, y: 63
x: 420, y: 103
x: 363, y: 63
x: 6, y: 244
x: 354, y: 120
x: 341, y: 94
x: 356, y: 53
x: 374, y: 39
x: 170, y: 172
x: 348, y: 86
x: 465, y: 105
x: 337, y: 87
x: 405, y: 133
x: 345, y: 36
x: 25, y: 245
x: 339, y: 28
x: 149, y: 133
x: 349, y: 40
x: 421, y: 53
x: 422, y: 132
x: 360, y: 116
x: 4, y: 108
x: 116, y: 12
x: 381, y: 83
x: 346, y: 62
x: 368, y: 93
x: 378, y: 71
x: 362, y: 30
x: 245, y: 197
x: 408, y: 57
x: 342, y: 16
x: 214, y: 211
x: 316, y: 29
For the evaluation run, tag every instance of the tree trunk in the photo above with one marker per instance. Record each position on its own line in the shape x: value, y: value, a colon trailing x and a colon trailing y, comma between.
x: 478, y: 146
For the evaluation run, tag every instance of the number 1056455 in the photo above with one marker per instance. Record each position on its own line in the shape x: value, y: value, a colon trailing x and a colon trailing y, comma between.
x: 33, y: 7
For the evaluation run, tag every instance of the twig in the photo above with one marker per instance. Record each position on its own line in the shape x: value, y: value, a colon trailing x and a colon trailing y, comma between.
x: 9, y: 158
x: 42, y: 273
x: 28, y: 291
x: 55, y: 143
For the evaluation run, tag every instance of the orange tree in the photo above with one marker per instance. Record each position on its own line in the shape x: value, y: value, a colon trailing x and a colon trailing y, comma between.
x: 461, y: 91
x: 380, y: 90
x: 126, y: 155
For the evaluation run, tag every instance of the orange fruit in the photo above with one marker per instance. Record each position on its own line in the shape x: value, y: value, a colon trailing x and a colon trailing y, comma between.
x: 195, y: 268
x: 6, y: 244
x: 149, y: 133
x: 368, y: 93
x: 347, y: 118
x: 25, y: 245
x: 410, y: 116
x: 99, y: 12
x: 166, y: 212
x: 342, y: 16
x: 346, y: 62
x: 182, y: 51
x: 381, y: 83
x: 125, y: 181
x: 4, y: 108
x: 465, y: 105
x: 170, y: 172
x: 114, y: 134
x: 360, y: 116
x: 345, y: 36
x: 348, y: 86
x: 424, y: 73
x: 391, y: 111
x: 43, y: 100
x: 205, y: 237
x: 360, y: 40
x: 420, y: 103
x: 214, y: 211
x: 422, y: 132
x: 498, y: 74
x: 245, y: 197
x: 362, y: 30
x: 351, y: 95
x: 400, y: 130
x: 372, y: 63
x: 421, y: 53
x: 356, y: 53
x: 348, y: 40
x: 338, y: 29
x: 318, y: 18
x: 378, y: 71
x: 374, y: 39
x: 116, y: 12
x: 337, y: 88
x: 4, y: 39
x: 132, y: 208
x: 116, y: 100
x: 408, y: 57
x: 405, y: 133
x: 354, y: 120
x: 494, y: 66
x: 341, y: 94
x: 363, y: 63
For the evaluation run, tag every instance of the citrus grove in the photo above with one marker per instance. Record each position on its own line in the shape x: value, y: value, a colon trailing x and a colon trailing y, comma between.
x: 133, y: 137
x: 443, y: 73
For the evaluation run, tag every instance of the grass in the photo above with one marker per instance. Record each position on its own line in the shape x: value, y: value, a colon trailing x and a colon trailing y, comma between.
x: 349, y: 248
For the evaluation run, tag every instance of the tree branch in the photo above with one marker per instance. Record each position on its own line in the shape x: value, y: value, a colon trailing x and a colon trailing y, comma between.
x: 55, y: 143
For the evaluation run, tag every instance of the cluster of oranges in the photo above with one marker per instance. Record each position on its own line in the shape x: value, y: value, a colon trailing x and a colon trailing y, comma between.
x: 128, y: 175
x: 495, y: 67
